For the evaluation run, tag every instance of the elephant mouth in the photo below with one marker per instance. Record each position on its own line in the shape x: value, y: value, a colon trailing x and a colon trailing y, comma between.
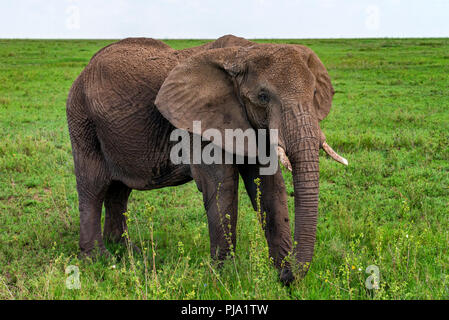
x: 323, y: 145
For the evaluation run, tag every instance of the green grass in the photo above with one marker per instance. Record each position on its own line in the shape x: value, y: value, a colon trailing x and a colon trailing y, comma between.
x: 388, y: 208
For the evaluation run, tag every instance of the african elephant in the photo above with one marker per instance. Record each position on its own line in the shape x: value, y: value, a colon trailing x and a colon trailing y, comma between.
x: 123, y: 107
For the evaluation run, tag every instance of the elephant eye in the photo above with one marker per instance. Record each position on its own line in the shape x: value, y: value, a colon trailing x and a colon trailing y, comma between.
x: 263, y: 97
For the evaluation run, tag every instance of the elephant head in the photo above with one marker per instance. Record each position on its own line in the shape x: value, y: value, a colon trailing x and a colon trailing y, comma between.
x: 283, y: 87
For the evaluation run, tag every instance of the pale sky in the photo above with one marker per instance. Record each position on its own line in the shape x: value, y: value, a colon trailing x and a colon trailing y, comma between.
x: 115, y: 19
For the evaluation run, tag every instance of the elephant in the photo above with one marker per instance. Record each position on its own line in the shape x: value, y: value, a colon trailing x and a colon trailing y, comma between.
x: 123, y: 107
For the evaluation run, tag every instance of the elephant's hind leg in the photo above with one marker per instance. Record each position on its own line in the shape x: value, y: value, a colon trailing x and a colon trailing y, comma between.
x: 115, y: 203
x: 92, y: 184
x: 92, y: 177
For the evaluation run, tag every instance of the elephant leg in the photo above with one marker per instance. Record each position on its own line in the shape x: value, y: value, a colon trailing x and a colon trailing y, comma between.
x: 273, y: 203
x: 92, y: 181
x: 219, y: 185
x: 91, y: 197
x: 90, y: 224
x: 115, y: 203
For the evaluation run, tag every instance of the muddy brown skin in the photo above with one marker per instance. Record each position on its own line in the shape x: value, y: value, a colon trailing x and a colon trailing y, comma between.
x: 133, y: 93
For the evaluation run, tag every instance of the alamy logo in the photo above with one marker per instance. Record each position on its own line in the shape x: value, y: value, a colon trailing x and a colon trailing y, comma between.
x: 372, y: 282
x: 73, y: 279
x: 236, y: 146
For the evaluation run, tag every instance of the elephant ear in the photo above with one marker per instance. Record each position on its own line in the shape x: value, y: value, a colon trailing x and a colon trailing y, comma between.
x: 324, y: 90
x: 202, y: 89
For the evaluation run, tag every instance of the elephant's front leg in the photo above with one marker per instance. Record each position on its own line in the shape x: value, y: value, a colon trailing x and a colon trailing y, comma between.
x: 219, y: 185
x: 273, y: 202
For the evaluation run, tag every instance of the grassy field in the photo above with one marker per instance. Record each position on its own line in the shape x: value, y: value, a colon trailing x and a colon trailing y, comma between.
x: 388, y: 208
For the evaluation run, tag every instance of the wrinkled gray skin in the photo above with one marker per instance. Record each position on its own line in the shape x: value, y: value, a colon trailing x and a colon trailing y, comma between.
x: 133, y: 93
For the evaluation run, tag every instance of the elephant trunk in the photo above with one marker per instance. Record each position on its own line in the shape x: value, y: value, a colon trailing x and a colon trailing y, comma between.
x: 302, y: 144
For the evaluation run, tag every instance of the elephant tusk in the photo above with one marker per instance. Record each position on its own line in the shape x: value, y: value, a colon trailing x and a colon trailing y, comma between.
x: 284, y: 159
x: 333, y: 154
x: 327, y: 148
